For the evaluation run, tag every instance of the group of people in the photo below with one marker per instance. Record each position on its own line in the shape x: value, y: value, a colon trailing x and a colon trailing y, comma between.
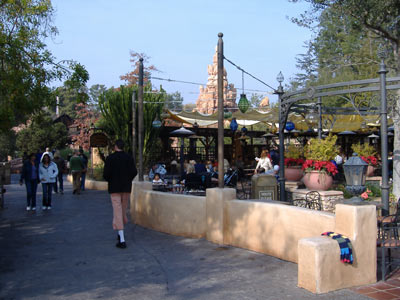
x: 48, y: 169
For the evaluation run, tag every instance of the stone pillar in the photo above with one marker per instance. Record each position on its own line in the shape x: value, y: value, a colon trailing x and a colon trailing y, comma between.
x: 319, y: 267
x: 215, y: 212
x: 137, y: 187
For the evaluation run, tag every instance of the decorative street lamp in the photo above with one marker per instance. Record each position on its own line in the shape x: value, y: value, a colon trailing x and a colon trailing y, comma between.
x: 156, y: 123
x: 355, y: 172
x: 282, y: 121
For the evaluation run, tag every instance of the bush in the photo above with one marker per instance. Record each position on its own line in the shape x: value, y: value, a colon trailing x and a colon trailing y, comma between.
x: 322, y: 149
x: 363, y: 150
x: 346, y: 194
x: 375, y: 189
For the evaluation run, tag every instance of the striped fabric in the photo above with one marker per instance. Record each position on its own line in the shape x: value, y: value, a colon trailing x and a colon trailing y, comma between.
x: 346, y: 250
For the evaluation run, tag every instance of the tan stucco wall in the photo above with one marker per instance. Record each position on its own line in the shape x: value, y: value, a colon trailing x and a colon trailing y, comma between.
x: 288, y: 232
x: 273, y: 229
x: 320, y: 269
x: 92, y: 184
x: 170, y: 213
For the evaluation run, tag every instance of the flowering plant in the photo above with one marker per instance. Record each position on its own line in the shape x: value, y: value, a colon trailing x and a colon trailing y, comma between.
x: 327, y: 167
x: 290, y: 162
x: 365, y: 195
x: 370, y: 160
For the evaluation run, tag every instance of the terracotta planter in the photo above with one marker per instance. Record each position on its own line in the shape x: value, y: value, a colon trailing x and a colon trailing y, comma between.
x: 316, y: 181
x: 370, y: 171
x: 293, y: 173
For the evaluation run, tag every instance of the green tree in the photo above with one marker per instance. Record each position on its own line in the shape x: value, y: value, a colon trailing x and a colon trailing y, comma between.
x: 116, y: 109
x: 255, y: 100
x: 7, y: 144
x: 42, y: 133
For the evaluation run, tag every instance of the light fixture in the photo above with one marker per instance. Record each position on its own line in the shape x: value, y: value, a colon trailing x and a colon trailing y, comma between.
x: 355, y: 173
x: 233, y: 125
x: 312, y: 117
x: 227, y: 114
x: 156, y: 123
x: 382, y: 51
x: 373, y: 136
x: 280, y: 77
x: 243, y: 104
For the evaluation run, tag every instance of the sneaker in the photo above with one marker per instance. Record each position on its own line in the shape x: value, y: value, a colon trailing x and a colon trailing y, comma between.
x: 48, y: 207
x: 33, y: 207
x: 28, y: 208
x: 44, y: 207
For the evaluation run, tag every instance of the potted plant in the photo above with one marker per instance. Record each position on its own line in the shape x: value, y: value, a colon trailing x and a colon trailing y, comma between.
x: 318, y: 166
x: 293, y: 161
x: 367, y: 154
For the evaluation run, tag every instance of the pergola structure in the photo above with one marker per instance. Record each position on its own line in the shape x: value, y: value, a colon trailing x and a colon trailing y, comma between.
x: 370, y: 89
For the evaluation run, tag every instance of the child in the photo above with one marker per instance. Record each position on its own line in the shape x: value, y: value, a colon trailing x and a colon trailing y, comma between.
x: 157, y: 179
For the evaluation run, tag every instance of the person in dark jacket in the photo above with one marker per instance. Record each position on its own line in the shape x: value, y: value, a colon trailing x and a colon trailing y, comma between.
x: 119, y: 171
x: 30, y: 173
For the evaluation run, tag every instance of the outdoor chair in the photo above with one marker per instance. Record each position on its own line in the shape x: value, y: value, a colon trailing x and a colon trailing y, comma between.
x: 243, y: 190
x: 300, y: 203
x: 313, y: 200
x: 392, y: 219
x: 388, y: 240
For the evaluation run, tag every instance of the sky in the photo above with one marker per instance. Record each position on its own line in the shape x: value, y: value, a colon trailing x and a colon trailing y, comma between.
x: 180, y: 37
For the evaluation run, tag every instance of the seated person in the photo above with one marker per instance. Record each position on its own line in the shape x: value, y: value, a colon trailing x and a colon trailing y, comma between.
x: 157, y: 168
x: 157, y: 179
x: 200, y: 167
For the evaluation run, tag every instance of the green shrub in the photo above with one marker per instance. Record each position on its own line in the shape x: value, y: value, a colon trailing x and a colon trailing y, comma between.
x: 346, y: 194
x: 375, y: 189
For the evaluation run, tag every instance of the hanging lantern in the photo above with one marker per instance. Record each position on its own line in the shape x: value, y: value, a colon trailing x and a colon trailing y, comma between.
x: 244, y: 130
x: 243, y: 103
x: 233, y: 125
x: 156, y: 123
x: 289, y: 126
x: 227, y: 114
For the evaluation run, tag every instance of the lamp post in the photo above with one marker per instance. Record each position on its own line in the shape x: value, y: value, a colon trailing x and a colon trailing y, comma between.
x: 384, y: 139
x: 220, y: 66
x: 140, y: 113
x: 282, y: 122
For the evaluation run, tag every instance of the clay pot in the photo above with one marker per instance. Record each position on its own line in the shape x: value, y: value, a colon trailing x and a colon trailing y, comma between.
x: 293, y: 173
x: 317, y: 181
x: 370, y: 171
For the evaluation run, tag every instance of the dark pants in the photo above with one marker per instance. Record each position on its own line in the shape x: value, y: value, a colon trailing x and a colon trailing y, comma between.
x: 59, y: 180
x: 47, y: 190
x: 31, y: 188
x: 83, y: 177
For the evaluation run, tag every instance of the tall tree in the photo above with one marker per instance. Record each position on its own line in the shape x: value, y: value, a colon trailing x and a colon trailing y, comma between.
x: 375, y: 19
x: 132, y: 78
x: 42, y: 133
x: 26, y: 66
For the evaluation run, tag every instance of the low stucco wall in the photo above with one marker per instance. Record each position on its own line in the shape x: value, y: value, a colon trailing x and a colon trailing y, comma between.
x: 92, y: 184
x: 170, y: 213
x: 288, y: 232
x: 273, y: 229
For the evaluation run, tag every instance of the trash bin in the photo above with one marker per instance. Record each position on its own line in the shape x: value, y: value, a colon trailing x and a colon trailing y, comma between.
x: 264, y: 187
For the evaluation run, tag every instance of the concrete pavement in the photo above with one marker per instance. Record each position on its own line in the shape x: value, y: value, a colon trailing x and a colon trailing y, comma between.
x: 69, y: 253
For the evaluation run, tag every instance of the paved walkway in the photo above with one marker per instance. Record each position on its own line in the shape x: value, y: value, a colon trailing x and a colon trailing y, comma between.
x: 69, y: 253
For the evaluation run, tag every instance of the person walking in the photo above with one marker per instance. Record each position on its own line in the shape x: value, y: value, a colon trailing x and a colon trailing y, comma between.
x: 60, y: 162
x: 85, y: 163
x: 76, y: 167
x: 48, y: 172
x: 119, y: 171
x: 30, y: 173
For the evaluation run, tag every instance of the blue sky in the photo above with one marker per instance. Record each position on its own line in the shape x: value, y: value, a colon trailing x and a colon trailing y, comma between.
x: 180, y: 38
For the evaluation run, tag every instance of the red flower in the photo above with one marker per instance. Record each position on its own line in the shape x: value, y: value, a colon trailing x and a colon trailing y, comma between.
x: 289, y: 162
x: 319, y: 165
x: 371, y: 160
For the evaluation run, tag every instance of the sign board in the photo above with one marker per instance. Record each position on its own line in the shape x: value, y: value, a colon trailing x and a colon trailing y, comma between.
x: 98, y: 139
x: 266, y: 195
